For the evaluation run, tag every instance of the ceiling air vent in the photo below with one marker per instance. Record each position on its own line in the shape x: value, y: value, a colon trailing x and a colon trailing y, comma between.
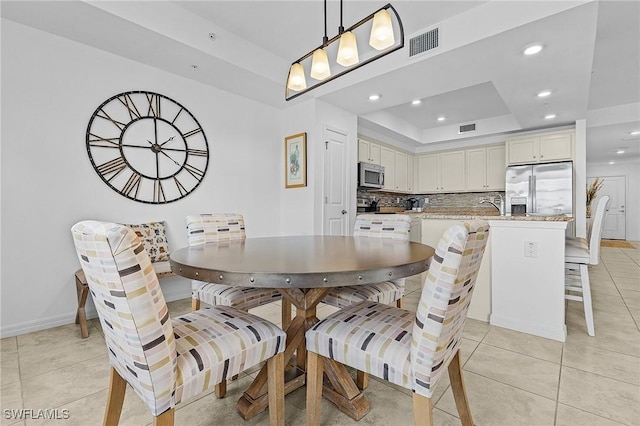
x: 424, y: 42
x: 467, y: 128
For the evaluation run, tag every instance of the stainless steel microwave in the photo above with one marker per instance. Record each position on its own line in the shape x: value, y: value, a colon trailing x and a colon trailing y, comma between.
x: 370, y: 175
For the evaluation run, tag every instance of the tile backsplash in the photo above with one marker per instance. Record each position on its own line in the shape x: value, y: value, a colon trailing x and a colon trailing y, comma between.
x: 465, y: 199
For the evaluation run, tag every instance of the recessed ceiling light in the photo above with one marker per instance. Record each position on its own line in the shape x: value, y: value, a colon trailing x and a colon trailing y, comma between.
x: 533, y: 49
x: 612, y: 162
x: 544, y: 93
x: 416, y: 102
x: 620, y: 151
x: 374, y: 97
x: 549, y: 116
x: 635, y: 133
x: 442, y: 118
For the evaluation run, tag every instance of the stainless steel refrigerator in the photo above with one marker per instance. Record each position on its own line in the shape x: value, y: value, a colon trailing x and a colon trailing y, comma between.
x: 545, y: 189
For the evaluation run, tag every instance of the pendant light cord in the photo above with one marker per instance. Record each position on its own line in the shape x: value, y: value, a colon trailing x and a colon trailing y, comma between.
x: 341, y: 27
x: 325, y: 39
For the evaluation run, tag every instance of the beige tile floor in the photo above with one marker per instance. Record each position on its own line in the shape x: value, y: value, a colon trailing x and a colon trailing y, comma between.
x: 512, y: 378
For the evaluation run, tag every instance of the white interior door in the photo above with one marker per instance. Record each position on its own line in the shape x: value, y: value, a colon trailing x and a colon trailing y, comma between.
x: 336, y: 216
x: 614, y: 226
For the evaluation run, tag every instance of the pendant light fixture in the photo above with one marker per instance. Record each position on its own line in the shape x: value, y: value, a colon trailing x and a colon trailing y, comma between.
x: 297, y: 81
x: 382, y: 31
x: 348, y: 49
x: 320, y: 64
x: 385, y: 26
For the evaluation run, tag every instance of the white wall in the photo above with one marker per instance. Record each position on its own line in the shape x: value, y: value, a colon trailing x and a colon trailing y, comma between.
x: 50, y: 88
x: 631, y: 170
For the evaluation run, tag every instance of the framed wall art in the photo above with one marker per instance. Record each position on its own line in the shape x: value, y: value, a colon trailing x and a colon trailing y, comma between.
x: 295, y: 160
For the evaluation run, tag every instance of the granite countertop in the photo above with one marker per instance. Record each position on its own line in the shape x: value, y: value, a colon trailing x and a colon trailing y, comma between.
x: 461, y: 213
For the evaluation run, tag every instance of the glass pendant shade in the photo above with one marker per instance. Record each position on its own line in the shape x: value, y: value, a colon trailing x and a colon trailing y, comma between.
x: 297, y: 81
x: 348, y: 50
x: 382, y: 31
x: 320, y: 65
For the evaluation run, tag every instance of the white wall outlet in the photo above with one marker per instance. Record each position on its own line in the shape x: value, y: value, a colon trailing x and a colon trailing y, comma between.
x: 530, y: 249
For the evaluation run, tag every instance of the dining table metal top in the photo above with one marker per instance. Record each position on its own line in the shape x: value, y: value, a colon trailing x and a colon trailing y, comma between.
x: 302, y: 261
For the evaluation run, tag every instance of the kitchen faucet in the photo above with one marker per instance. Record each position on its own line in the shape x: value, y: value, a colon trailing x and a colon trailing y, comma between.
x: 500, y: 207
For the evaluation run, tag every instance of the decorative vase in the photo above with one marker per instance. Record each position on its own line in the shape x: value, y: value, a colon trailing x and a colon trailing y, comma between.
x: 589, y: 210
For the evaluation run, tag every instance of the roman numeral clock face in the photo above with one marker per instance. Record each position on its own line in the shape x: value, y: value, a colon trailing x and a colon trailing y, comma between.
x: 147, y: 147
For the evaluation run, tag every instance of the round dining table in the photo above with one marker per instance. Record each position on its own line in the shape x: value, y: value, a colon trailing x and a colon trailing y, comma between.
x: 303, y: 269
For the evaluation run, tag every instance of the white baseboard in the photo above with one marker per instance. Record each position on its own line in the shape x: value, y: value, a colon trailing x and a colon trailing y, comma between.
x: 173, y: 291
x: 557, y: 333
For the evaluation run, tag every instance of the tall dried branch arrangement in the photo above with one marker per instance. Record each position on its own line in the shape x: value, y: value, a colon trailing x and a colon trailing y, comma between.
x: 592, y: 190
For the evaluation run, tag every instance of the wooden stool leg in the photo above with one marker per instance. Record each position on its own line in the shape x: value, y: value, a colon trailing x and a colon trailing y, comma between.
x: 314, y: 388
x: 82, y: 289
x: 422, y: 410
x: 115, y: 399
x: 275, y: 371
x: 459, y: 391
x: 165, y: 419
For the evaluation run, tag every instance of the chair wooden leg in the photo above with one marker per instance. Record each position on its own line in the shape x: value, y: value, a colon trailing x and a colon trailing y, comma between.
x: 286, y: 313
x: 422, y: 410
x: 83, y: 291
x: 362, y: 380
x: 314, y: 388
x: 586, y: 298
x: 459, y: 391
x: 275, y: 371
x: 115, y: 399
x: 221, y: 389
x: 195, y: 304
x: 165, y: 419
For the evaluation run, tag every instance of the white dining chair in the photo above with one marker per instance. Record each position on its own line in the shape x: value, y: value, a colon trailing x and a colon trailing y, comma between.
x: 579, y: 254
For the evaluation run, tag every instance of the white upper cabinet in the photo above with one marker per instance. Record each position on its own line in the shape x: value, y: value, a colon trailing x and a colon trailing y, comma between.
x: 388, y: 161
x: 541, y: 148
x: 428, y: 173
x: 368, y: 152
x: 443, y: 172
x: 486, y: 168
x: 402, y: 172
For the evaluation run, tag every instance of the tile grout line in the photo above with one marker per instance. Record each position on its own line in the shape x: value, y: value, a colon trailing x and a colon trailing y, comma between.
x: 604, y: 263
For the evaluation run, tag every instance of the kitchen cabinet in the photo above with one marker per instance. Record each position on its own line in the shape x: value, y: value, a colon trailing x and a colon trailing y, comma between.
x: 388, y: 161
x: 398, y: 170
x: 368, y: 152
x: 541, y: 148
x: 401, y: 171
x: 485, y: 168
x: 443, y: 172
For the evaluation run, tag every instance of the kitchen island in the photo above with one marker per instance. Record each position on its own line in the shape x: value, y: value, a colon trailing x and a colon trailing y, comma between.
x: 520, y: 284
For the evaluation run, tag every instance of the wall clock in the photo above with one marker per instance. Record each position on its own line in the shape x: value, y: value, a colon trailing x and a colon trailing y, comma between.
x: 147, y: 147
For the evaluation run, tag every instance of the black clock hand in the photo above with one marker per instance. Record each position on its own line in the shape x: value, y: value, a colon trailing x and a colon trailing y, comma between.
x: 155, y: 128
x: 166, y: 155
x: 167, y: 141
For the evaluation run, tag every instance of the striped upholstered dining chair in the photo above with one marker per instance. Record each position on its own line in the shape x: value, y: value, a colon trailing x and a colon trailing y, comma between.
x: 392, y: 226
x: 407, y: 349
x: 167, y: 360
x: 215, y: 227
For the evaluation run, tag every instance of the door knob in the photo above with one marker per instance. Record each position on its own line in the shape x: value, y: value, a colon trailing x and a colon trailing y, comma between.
x: 344, y: 212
